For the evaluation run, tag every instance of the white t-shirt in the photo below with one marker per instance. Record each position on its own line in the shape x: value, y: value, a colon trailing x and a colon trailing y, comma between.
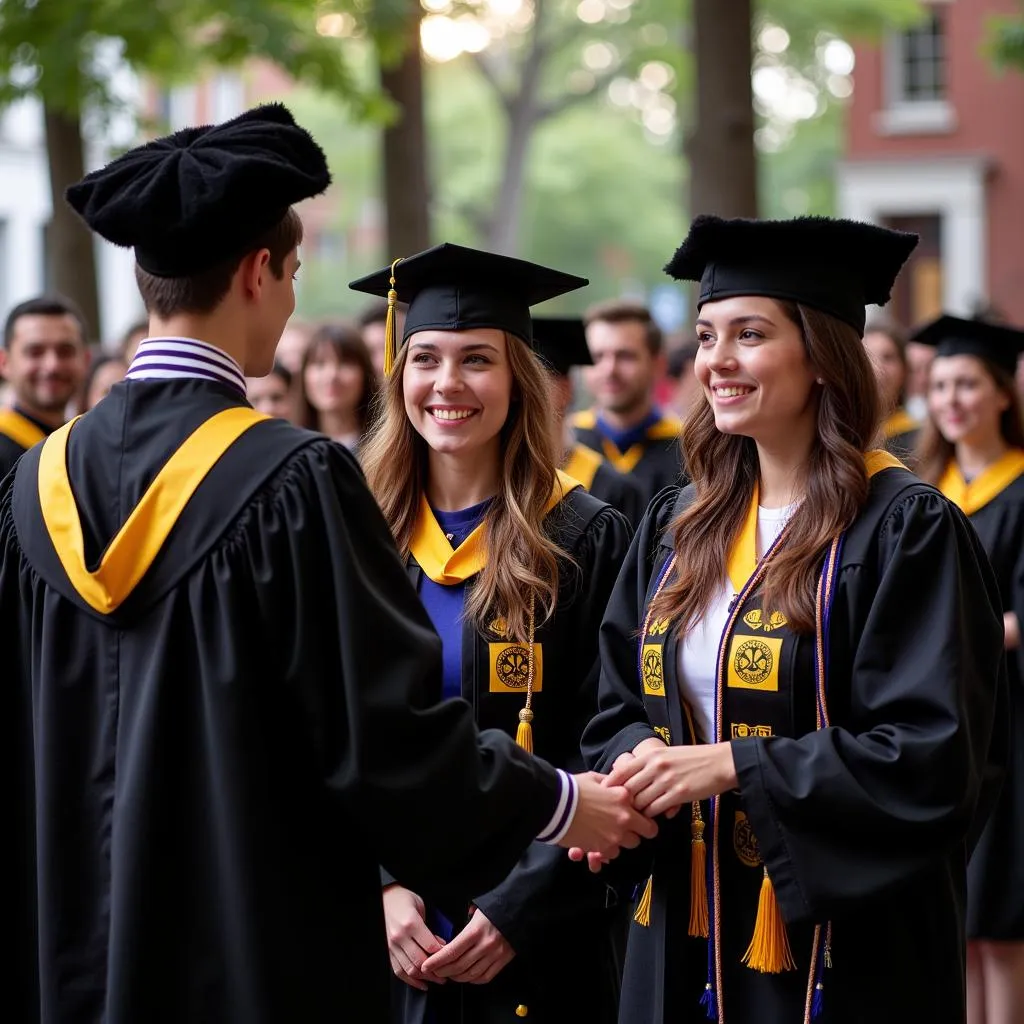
x: 698, y: 653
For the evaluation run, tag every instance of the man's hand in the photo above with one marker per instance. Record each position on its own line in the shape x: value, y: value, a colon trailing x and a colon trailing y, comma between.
x: 475, y: 956
x: 663, y: 779
x: 605, y: 821
x: 410, y: 941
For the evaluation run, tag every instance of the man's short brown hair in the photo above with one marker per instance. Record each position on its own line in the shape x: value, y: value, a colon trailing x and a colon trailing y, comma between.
x: 203, y: 292
x: 624, y: 311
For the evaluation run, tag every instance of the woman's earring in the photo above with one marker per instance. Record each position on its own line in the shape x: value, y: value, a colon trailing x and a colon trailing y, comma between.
x: 821, y: 380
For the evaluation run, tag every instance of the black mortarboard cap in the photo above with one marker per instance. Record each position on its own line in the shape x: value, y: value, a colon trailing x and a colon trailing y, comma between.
x: 835, y: 266
x: 561, y: 342
x: 452, y: 288
x: 952, y: 336
x: 201, y: 196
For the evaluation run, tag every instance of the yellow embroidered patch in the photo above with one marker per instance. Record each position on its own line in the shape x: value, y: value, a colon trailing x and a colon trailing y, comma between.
x: 662, y: 731
x: 651, y: 668
x: 744, y: 842
x: 658, y: 627
x: 742, y: 731
x: 510, y: 664
x: 756, y: 620
x: 754, y: 662
x: 499, y: 627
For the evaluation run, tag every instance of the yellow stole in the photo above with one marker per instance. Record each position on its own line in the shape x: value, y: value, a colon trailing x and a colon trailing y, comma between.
x: 583, y: 464
x: 21, y: 430
x: 447, y: 566
x: 665, y: 429
x: 970, y: 497
x: 743, y: 560
x: 899, y: 422
x: 132, y: 551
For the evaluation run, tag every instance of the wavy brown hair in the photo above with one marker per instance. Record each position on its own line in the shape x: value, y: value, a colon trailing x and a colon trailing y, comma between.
x: 724, y: 470
x: 934, y: 452
x: 522, y: 570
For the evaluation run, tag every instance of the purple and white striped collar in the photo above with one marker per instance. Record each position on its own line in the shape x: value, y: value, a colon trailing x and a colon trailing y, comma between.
x: 166, y: 358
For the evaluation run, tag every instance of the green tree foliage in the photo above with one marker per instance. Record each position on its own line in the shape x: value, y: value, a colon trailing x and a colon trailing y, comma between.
x: 1006, y: 40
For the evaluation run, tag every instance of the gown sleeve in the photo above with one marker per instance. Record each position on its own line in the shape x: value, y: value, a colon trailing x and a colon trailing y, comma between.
x: 621, y: 721
x: 433, y: 798
x: 545, y: 889
x: 845, y: 813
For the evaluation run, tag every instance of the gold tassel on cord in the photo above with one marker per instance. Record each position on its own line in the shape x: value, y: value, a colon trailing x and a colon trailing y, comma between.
x: 389, y: 324
x: 698, y: 877
x: 643, y: 908
x: 769, y: 950
x: 524, y: 732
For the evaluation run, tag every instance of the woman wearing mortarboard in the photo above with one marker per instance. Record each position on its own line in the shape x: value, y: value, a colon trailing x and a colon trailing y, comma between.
x: 887, y: 349
x: 972, y: 449
x: 800, y: 666
x: 514, y: 563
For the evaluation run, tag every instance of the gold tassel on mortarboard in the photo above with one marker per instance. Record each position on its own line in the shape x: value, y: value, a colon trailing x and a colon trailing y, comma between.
x: 769, y: 950
x: 524, y: 733
x: 390, y: 349
x: 698, y: 928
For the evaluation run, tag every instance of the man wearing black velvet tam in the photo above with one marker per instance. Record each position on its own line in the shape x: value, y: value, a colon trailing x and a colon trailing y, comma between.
x: 215, y: 727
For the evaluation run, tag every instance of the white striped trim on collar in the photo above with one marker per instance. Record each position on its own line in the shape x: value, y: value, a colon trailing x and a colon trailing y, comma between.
x: 167, y: 358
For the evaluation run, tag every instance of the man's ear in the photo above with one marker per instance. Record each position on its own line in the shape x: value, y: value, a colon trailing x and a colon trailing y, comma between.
x: 3, y: 363
x: 252, y: 272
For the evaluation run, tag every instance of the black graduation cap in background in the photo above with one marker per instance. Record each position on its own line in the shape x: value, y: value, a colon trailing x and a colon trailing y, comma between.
x: 835, y: 266
x: 561, y: 342
x: 952, y: 336
x: 452, y: 288
x: 201, y: 196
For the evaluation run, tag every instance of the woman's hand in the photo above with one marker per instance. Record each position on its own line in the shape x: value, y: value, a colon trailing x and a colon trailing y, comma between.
x: 410, y: 941
x: 1011, y: 630
x: 475, y: 956
x: 663, y: 779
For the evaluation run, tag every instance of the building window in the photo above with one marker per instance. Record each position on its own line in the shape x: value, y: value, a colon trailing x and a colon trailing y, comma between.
x: 916, y: 83
x: 921, y: 71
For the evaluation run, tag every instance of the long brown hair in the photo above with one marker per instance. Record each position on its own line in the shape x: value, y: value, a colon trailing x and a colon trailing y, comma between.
x: 934, y: 452
x: 724, y: 469
x: 522, y: 569
x: 347, y: 344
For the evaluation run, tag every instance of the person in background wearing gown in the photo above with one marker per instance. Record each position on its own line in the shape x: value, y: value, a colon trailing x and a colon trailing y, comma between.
x: 514, y: 562
x: 682, y: 380
x: 337, y: 385
x: 801, y: 667
x: 972, y: 449
x: 887, y: 349
x: 273, y: 394
x: 625, y: 425
x: 218, y: 692
x: 561, y: 344
x: 44, y: 359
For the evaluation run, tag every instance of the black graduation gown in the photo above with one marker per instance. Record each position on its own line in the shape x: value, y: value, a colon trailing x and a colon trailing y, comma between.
x: 864, y: 823
x: 208, y: 778
x: 659, y: 466
x: 995, y: 876
x: 607, y: 484
x: 554, y: 913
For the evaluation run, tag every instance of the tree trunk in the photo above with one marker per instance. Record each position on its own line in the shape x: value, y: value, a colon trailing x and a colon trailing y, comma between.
x: 723, y: 165
x: 71, y: 262
x: 503, y: 229
x: 405, y: 158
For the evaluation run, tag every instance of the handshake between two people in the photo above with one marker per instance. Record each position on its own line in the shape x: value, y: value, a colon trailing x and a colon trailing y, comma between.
x: 617, y: 811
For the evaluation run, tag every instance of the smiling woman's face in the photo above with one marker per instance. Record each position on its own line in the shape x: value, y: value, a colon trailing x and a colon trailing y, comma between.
x: 458, y: 388
x: 753, y: 366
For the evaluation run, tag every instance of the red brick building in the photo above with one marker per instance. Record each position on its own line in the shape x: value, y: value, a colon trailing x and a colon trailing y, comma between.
x: 935, y: 144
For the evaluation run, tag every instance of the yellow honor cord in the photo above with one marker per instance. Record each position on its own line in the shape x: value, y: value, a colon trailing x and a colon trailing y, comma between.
x: 390, y: 348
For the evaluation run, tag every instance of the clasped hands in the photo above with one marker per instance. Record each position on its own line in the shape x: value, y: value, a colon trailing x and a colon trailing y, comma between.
x: 661, y: 779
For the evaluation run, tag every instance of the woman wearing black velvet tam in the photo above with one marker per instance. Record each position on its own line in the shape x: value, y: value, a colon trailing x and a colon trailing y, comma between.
x: 214, y: 725
x: 801, y: 666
